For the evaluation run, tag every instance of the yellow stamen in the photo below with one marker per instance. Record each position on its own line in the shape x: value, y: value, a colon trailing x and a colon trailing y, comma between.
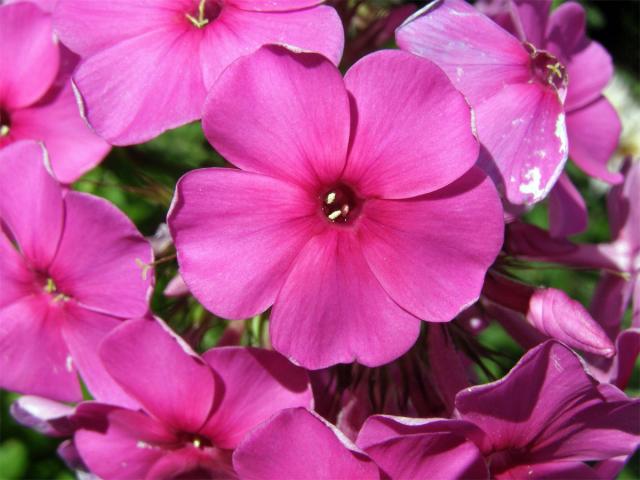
x: 201, y: 21
x: 4, y: 130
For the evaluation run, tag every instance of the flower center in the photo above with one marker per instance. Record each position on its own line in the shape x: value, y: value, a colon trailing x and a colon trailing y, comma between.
x: 207, y: 11
x: 340, y: 204
x: 547, y: 69
x: 51, y: 289
x: 5, y: 123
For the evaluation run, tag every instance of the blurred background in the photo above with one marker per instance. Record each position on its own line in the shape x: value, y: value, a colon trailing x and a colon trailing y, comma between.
x: 140, y: 181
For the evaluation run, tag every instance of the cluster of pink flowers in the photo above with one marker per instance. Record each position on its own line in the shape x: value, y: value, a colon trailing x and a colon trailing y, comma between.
x: 370, y: 216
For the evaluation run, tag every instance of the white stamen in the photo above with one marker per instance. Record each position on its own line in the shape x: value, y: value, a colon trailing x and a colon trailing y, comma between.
x: 331, y: 198
x: 335, y: 214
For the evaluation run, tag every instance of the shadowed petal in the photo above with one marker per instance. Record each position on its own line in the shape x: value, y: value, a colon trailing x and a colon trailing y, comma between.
x: 16, y: 279
x: 178, y: 387
x: 332, y: 309
x: 255, y: 385
x: 43, y: 415
x: 531, y: 19
x: 299, y: 444
x: 408, y: 122
x: 567, y: 211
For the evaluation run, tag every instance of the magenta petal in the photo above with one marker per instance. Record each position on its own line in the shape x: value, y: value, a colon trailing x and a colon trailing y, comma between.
x: 532, y: 18
x: 399, y: 147
x: 254, y: 385
x: 43, y: 415
x: 234, y: 253
x: 178, y: 387
x: 589, y: 70
x: 16, y: 279
x: 565, y: 31
x: 431, y: 253
x: 83, y: 330
x: 523, y: 128
x: 297, y: 108
x: 86, y: 26
x: 592, y: 152
x: 273, y: 5
x: 31, y: 202
x: 550, y: 471
x: 73, y: 147
x: 35, y: 359
x: 298, y: 444
x: 429, y: 455
x: 191, y: 463
x: 567, y: 211
x: 132, y: 92
x: 316, y: 29
x: 102, y: 265
x: 555, y: 314
x: 126, y: 447
x: 332, y: 309
x: 29, y: 56
x: 451, y: 33
x: 628, y: 348
x: 610, y: 301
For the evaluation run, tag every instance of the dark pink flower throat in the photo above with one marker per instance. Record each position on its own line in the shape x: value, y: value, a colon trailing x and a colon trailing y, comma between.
x: 206, y: 11
x: 546, y: 68
x: 5, y: 123
x: 340, y: 204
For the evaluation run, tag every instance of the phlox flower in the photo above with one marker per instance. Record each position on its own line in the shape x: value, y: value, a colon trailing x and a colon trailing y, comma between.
x: 593, y: 126
x: 67, y: 279
x: 36, y: 99
x: 192, y: 411
x: 517, y: 91
x: 146, y: 66
x: 356, y: 210
x: 543, y: 420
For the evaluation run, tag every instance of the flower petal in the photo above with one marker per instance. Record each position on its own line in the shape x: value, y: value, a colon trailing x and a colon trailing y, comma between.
x: 565, y: 30
x: 273, y: 5
x: 16, y: 279
x: 411, y: 129
x: 297, y: 109
x: 523, y: 129
x: 479, y: 57
x: 332, y: 309
x: 431, y: 253
x: 178, y: 387
x: 43, y: 415
x: 83, y: 330
x: 31, y: 202
x: 531, y: 18
x: 87, y: 27
x: 567, y: 211
x: 429, y: 455
x: 239, y: 32
x: 73, y: 147
x: 127, y: 445
x: 29, y: 56
x: 35, y: 359
x: 234, y: 252
x: 592, y: 152
x: 255, y: 384
x: 132, y: 92
x: 590, y: 70
x: 102, y: 265
x: 193, y: 463
x: 299, y: 444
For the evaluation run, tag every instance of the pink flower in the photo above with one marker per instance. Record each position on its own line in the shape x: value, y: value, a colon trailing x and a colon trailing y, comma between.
x: 356, y: 210
x: 299, y: 444
x: 36, y: 99
x: 543, y: 420
x: 516, y: 90
x: 192, y: 412
x: 146, y: 66
x: 593, y: 126
x: 67, y: 279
